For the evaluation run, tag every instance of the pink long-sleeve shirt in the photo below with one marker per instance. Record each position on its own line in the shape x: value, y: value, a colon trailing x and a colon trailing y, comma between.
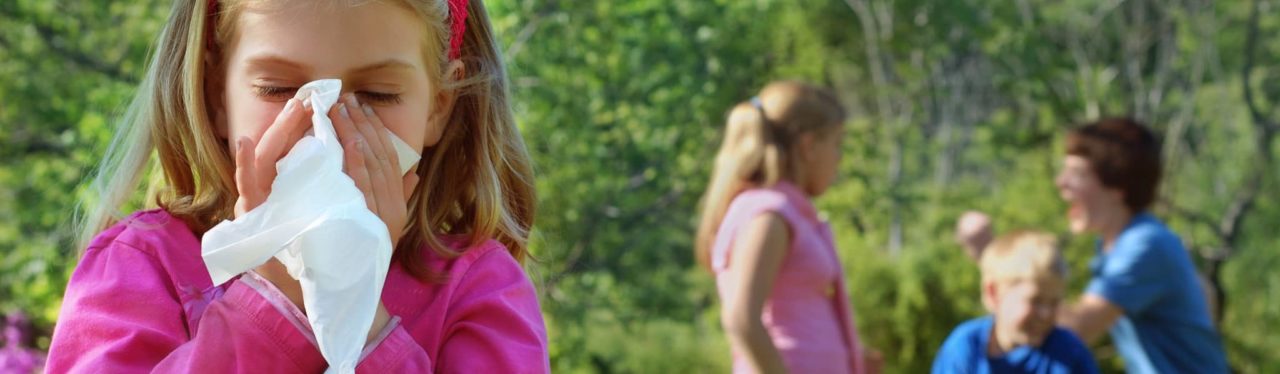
x: 807, y: 315
x: 141, y: 301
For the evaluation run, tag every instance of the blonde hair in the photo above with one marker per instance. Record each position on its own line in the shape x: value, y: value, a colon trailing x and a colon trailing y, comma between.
x: 484, y: 190
x: 1023, y: 255
x: 756, y: 149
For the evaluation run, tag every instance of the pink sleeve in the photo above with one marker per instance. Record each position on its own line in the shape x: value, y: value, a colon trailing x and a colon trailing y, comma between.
x: 121, y: 314
x: 395, y: 352
x: 493, y: 324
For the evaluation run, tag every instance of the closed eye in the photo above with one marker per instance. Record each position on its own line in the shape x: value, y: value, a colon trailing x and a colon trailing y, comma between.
x: 275, y: 92
x: 379, y: 97
x: 285, y: 92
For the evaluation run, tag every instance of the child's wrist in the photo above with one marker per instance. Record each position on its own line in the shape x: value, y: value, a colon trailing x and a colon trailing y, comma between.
x: 380, y: 320
x: 276, y: 273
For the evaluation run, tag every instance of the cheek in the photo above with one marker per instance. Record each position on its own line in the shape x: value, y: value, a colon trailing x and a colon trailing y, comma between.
x: 1017, y: 311
x: 1013, y: 316
x: 1015, y: 307
x: 407, y: 122
x: 833, y: 156
x: 1091, y: 194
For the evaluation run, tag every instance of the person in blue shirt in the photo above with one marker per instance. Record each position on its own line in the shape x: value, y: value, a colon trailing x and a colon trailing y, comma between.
x: 1144, y: 287
x: 1023, y: 282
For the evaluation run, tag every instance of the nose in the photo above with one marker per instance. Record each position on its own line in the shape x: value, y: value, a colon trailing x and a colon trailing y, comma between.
x: 1046, y: 312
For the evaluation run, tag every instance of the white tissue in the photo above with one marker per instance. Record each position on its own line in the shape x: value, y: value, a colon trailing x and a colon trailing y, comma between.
x: 316, y: 223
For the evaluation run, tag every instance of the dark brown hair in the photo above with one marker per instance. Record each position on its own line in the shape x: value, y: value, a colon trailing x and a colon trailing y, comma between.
x: 1124, y: 154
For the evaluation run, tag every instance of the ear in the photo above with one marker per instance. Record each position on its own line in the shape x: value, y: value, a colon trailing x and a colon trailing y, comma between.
x: 989, y: 296
x: 215, y: 105
x: 442, y: 103
x: 1117, y: 195
x: 805, y: 144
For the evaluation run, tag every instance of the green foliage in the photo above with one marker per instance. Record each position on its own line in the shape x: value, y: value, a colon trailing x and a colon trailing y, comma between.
x: 64, y: 69
x: 956, y: 105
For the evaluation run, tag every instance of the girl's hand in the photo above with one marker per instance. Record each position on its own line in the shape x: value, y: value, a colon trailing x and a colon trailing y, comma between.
x: 874, y: 361
x: 256, y: 170
x: 974, y: 232
x: 256, y: 163
x: 372, y: 163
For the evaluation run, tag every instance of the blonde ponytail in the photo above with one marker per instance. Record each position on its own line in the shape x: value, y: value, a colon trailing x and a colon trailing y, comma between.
x: 756, y: 149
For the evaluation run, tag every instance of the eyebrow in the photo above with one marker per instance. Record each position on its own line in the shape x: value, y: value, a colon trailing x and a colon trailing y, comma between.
x: 272, y: 60
x: 267, y: 61
x: 390, y: 64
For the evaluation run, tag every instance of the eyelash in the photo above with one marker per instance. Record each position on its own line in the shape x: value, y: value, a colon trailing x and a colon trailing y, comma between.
x: 279, y: 92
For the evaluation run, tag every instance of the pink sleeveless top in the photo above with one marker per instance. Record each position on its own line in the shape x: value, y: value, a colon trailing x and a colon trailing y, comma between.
x: 808, y: 314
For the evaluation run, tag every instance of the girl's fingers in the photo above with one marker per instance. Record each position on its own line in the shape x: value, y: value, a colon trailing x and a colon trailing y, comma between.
x: 382, y: 162
x: 389, y: 159
x: 357, y: 116
x: 384, y: 135
x: 279, y: 137
x: 244, y: 165
x: 246, y: 186
x: 360, y: 174
x: 363, y: 114
x: 346, y: 129
x: 363, y: 164
x: 378, y: 178
x: 409, y: 182
x: 373, y: 164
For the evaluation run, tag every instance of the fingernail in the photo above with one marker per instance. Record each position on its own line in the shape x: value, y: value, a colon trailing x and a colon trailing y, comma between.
x: 342, y: 108
x: 290, y: 104
x: 368, y: 111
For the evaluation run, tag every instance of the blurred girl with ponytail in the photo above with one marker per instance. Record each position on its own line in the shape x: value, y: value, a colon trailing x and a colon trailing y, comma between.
x: 215, y: 111
x: 785, y: 308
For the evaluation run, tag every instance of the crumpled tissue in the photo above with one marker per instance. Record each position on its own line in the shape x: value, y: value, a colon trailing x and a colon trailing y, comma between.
x: 316, y: 223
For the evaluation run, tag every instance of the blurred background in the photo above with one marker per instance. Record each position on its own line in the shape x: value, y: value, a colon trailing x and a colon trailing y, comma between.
x: 956, y: 104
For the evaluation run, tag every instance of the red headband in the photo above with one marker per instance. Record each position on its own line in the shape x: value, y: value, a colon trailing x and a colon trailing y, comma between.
x: 457, y: 25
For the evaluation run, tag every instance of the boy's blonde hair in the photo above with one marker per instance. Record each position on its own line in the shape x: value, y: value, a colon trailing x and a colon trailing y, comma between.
x: 1023, y: 255
x: 757, y: 147
x: 484, y: 190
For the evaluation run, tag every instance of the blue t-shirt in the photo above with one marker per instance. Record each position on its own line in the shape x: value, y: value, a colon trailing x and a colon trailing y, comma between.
x: 965, y: 351
x: 1166, y: 326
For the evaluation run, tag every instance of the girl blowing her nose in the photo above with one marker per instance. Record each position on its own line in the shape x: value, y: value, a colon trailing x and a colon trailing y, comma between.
x: 785, y: 307
x: 217, y: 109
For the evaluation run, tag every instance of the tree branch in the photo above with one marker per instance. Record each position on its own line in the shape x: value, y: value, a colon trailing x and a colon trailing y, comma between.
x: 1193, y: 216
x: 1250, y: 58
x: 55, y: 43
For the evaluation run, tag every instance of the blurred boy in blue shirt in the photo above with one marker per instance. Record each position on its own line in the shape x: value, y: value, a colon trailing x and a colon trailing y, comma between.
x: 1023, y: 280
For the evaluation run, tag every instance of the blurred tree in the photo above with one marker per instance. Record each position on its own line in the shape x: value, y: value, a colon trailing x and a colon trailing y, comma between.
x: 64, y: 69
